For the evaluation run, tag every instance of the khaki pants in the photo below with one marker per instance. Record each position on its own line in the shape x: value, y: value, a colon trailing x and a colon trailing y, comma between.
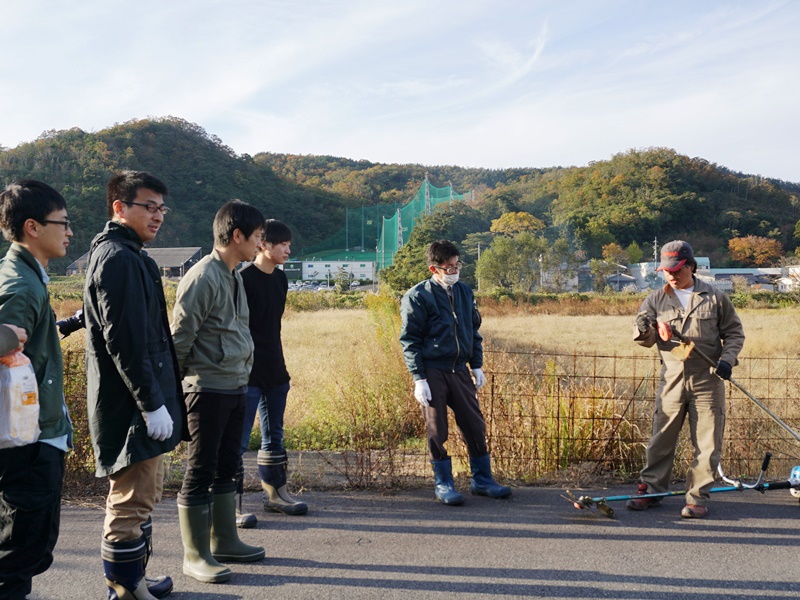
x: 133, y: 494
x: 701, y: 397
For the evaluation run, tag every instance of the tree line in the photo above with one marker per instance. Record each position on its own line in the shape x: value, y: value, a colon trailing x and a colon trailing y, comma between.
x: 607, y: 211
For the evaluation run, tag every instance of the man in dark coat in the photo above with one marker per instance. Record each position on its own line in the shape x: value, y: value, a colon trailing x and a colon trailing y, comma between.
x: 135, y: 403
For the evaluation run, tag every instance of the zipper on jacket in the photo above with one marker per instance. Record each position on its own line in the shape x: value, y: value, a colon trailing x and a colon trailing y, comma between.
x: 452, y: 300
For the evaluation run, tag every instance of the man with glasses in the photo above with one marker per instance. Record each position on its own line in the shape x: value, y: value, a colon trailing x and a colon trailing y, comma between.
x: 134, y: 398
x: 440, y: 338
x: 33, y: 217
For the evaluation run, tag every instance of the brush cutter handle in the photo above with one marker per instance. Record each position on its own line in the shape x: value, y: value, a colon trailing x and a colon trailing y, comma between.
x: 760, y: 404
x: 765, y: 464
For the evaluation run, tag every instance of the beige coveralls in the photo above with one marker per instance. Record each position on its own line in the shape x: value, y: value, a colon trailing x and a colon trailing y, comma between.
x: 690, y: 387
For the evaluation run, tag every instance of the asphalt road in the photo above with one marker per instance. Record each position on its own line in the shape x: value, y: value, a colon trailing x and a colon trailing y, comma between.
x: 362, y: 545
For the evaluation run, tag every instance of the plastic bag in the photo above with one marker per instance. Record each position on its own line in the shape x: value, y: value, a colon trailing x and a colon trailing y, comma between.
x: 19, y: 401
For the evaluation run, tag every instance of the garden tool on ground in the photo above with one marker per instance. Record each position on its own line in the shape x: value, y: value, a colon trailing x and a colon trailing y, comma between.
x: 601, y: 503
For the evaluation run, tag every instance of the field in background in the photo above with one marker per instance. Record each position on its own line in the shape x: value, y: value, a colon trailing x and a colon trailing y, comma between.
x: 568, y: 393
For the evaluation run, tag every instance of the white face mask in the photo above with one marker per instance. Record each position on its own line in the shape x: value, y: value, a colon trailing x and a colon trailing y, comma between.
x: 449, y: 279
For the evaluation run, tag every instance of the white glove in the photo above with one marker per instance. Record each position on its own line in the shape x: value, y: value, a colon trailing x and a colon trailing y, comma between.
x: 422, y: 392
x: 159, y: 424
x: 480, y: 378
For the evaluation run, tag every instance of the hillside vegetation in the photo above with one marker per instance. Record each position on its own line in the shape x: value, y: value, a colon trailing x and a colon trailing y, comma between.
x: 633, y: 198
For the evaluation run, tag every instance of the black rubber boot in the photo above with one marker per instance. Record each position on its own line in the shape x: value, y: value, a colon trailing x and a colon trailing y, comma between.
x: 272, y: 467
x: 159, y: 586
x: 243, y: 520
x: 123, y: 563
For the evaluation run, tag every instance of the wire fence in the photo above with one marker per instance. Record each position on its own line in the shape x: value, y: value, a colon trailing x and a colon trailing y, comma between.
x: 551, y: 418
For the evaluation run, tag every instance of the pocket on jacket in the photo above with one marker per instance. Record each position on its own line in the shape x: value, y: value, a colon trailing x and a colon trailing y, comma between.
x: 704, y: 325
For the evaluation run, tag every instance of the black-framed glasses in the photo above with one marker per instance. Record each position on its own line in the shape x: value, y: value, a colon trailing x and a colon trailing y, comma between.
x: 451, y: 270
x: 152, y: 208
x: 66, y: 223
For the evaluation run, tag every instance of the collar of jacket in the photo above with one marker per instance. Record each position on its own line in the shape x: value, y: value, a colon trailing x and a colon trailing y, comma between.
x: 217, y: 259
x: 29, y: 259
x: 118, y: 232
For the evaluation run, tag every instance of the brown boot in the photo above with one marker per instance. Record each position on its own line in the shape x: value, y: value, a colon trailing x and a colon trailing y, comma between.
x: 642, y: 503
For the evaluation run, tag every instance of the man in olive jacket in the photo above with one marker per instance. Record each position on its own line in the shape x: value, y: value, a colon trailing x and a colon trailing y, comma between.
x: 211, y: 330
x: 688, y: 388
x: 33, y: 216
x: 135, y: 404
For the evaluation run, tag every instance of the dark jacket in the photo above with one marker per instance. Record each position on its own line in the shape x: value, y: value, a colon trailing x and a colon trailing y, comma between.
x: 131, y: 366
x: 24, y: 302
x: 439, y: 332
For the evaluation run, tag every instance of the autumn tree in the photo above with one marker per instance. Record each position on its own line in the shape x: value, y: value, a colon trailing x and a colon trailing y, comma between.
x: 754, y: 250
x: 512, y: 223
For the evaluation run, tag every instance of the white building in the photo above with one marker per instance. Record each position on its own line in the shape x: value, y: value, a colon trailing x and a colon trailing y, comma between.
x: 324, y: 270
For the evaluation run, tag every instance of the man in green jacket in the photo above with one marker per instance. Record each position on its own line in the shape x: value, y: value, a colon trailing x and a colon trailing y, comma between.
x: 211, y: 331
x: 33, y: 217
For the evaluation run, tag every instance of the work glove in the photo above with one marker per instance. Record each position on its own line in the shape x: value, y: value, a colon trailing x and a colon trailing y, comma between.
x: 159, y: 424
x: 724, y: 369
x: 422, y: 392
x: 480, y: 378
x: 644, y: 322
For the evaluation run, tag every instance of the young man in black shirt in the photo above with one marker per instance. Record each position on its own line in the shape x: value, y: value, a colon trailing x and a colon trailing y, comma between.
x: 266, y: 287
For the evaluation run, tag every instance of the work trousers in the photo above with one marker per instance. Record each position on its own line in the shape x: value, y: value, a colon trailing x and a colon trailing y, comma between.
x: 30, y: 511
x: 215, y: 424
x: 700, y: 396
x: 456, y: 390
x: 132, y: 495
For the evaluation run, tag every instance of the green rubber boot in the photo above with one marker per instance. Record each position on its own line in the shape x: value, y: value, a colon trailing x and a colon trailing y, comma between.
x: 225, y: 543
x: 198, y: 561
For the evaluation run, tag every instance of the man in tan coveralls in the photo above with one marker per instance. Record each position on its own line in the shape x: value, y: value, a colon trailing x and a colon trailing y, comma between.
x: 705, y: 315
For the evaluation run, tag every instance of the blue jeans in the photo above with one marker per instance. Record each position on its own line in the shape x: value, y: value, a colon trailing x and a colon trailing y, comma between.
x: 270, y: 404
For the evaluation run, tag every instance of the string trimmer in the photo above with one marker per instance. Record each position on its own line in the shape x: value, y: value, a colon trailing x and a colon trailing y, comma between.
x: 690, y: 347
x: 601, y: 503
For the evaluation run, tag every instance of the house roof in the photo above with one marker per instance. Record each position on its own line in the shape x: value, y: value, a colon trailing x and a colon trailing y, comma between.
x: 166, y: 258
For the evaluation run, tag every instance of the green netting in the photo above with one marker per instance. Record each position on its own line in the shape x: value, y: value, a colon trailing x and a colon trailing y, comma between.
x: 397, y: 228
x: 371, y: 232
x: 362, y: 228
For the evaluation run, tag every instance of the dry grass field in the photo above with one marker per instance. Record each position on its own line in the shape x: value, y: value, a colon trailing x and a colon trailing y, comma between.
x: 351, y: 391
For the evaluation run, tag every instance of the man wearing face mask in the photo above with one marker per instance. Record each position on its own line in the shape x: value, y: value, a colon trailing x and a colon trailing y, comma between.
x: 439, y: 335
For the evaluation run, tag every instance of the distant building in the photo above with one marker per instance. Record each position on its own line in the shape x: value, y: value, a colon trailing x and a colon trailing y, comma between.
x: 324, y: 270
x: 173, y: 262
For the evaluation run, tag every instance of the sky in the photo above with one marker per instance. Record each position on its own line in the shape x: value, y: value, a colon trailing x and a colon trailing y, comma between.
x: 472, y: 83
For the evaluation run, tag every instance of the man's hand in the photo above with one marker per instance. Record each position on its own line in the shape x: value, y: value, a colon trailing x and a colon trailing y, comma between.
x: 159, y: 424
x: 724, y: 369
x: 422, y: 392
x: 480, y: 378
x: 644, y: 322
x: 21, y: 334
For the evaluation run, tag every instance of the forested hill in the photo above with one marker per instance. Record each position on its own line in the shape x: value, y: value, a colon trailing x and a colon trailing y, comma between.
x: 200, y: 171
x: 633, y: 197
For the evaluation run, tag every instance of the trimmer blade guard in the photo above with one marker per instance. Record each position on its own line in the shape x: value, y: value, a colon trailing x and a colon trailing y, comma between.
x: 682, y: 351
x: 795, y: 477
